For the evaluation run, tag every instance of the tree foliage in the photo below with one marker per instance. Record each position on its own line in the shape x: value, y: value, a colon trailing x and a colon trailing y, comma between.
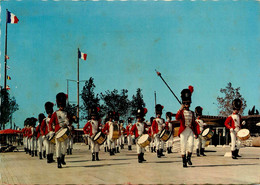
x: 89, y: 98
x: 137, y: 101
x: 8, y: 107
x: 115, y: 101
x: 225, y: 103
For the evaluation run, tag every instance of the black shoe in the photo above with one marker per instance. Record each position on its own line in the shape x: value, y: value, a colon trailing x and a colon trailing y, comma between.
x: 151, y: 149
x: 130, y: 147
x: 93, y: 156
x: 59, y: 162
x: 158, y: 154
x: 97, y: 158
x: 105, y: 149
x: 48, y: 158
x: 70, y: 151
x: 117, y: 150
x: 26, y: 150
x: 237, y: 153
x: 184, y: 161
x: 139, y: 158
x: 29, y: 152
x: 63, y: 160
x: 234, y: 155
x: 44, y: 154
x: 51, y: 158
x: 202, y: 151
x: 40, y: 155
x: 170, y: 150
x: 161, y: 152
x: 32, y: 153
x: 121, y: 146
x: 198, y: 152
x: 189, y: 159
x: 35, y: 153
x: 142, y: 157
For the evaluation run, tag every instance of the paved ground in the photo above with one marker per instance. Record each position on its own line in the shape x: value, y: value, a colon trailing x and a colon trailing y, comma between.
x: 123, y: 168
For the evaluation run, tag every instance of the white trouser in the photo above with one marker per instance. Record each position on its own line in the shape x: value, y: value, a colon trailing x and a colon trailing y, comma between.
x: 110, y: 142
x: 61, y: 147
x: 94, y: 146
x: 169, y: 143
x: 187, y: 140
x: 50, y: 147
x: 33, y: 143
x: 117, y: 142
x: 158, y: 143
x: 25, y: 142
x: 200, y: 142
x: 44, y: 145
x: 129, y: 140
x: 139, y: 149
x: 70, y: 143
x: 89, y: 141
x: 235, y: 142
x: 29, y: 143
x: 40, y: 144
x: 105, y: 143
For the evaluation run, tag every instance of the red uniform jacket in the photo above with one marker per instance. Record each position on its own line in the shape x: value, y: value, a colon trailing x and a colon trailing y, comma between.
x: 38, y: 131
x: 229, y: 123
x: 44, y: 127
x: 180, y: 117
x: 167, y: 127
x: 88, y: 128
x: 155, y: 129
x: 29, y: 132
x: 23, y: 131
x: 54, y: 120
x: 128, y: 130
x: 134, y: 130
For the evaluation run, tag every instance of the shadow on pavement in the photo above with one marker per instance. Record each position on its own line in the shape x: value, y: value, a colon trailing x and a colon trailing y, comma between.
x: 224, y: 165
x: 99, y: 165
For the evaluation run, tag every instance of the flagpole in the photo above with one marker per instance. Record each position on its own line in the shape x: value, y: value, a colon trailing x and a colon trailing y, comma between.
x: 5, y: 50
x: 78, y: 90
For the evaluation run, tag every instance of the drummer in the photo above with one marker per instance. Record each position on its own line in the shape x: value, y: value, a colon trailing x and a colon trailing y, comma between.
x: 61, y: 119
x: 157, y: 127
x: 233, y: 123
x: 188, y: 127
x: 110, y: 141
x: 92, y: 127
x: 200, y: 141
x: 138, y: 129
x: 169, y: 126
x: 48, y: 147
x: 129, y: 138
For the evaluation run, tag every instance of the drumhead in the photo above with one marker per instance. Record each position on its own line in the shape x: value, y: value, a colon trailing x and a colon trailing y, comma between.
x: 97, y: 136
x: 242, y: 132
x: 162, y: 133
x: 142, y: 139
x: 205, y: 132
x: 61, y: 132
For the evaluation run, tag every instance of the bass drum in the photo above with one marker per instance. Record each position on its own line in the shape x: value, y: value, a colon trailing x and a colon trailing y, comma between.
x: 114, y: 132
x: 243, y: 134
x: 62, y: 134
x: 100, y: 138
x: 144, y: 140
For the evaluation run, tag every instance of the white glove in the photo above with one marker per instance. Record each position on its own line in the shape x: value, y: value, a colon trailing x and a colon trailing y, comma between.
x: 243, y: 122
x: 86, y: 135
x: 43, y: 137
x: 231, y: 130
x: 133, y: 136
x: 51, y: 132
x: 155, y: 135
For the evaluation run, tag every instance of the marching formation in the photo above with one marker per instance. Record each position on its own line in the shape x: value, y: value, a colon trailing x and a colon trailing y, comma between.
x: 54, y: 133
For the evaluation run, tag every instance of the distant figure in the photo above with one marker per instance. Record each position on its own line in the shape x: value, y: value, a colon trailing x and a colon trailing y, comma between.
x: 129, y: 138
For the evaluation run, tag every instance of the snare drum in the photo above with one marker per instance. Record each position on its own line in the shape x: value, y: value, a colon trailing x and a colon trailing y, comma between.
x: 207, y: 133
x: 51, y: 138
x: 243, y: 134
x: 144, y: 140
x: 165, y: 135
x: 62, y: 134
x: 114, y: 131
x: 100, y: 138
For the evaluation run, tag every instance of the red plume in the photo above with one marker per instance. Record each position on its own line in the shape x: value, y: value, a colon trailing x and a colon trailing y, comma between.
x: 98, y: 109
x: 201, y: 108
x: 145, y: 110
x: 191, y: 89
x: 162, y: 107
x: 67, y: 96
x: 158, y: 73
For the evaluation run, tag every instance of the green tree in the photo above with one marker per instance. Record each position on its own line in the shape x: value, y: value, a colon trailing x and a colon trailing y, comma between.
x: 225, y: 103
x: 115, y: 101
x: 137, y: 101
x: 8, y: 107
x: 89, y: 98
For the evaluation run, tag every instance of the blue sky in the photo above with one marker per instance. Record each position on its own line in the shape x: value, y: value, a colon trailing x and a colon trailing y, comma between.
x: 203, y: 44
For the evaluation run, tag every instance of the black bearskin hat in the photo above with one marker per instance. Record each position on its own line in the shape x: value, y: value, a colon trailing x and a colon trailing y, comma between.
x: 93, y: 111
x: 198, y: 111
x: 33, y: 121
x: 169, y: 115
x: 186, y: 95
x: 41, y: 117
x: 151, y: 119
x: 26, y: 121
x: 61, y: 99
x: 140, y: 112
x: 49, y: 107
x: 158, y: 109
x: 110, y: 114
x: 116, y: 116
x: 129, y: 120
x: 236, y: 104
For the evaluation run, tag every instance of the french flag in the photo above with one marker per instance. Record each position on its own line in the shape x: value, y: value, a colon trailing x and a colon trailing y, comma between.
x: 82, y: 55
x: 11, y: 18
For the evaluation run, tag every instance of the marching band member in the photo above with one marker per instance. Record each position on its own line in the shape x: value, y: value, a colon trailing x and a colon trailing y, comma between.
x: 61, y: 119
x: 129, y: 138
x: 110, y: 141
x: 169, y: 126
x: 157, y: 126
x: 24, y: 131
x: 92, y: 127
x: 48, y: 147
x: 201, y: 141
x: 117, y: 141
x: 233, y: 123
x: 106, y: 149
x: 32, y: 136
x: 152, y: 145
x: 122, y: 136
x: 70, y: 140
x: 39, y: 135
x: 138, y: 129
x: 188, y: 127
